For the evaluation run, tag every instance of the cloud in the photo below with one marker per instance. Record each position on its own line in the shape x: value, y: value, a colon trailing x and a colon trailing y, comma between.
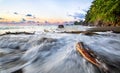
x: 34, y: 17
x: 15, y: 13
x: 84, y: 10
x: 1, y: 18
x: 80, y: 15
x: 46, y: 22
x: 29, y: 15
x: 23, y: 19
x: 77, y: 15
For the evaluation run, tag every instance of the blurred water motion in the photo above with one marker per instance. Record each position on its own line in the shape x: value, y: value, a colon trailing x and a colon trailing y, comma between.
x: 56, y: 53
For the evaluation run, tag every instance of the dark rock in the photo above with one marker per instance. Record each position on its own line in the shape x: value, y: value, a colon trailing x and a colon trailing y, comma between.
x: 104, y: 29
x: 89, y: 33
x: 60, y: 26
x: 18, y: 71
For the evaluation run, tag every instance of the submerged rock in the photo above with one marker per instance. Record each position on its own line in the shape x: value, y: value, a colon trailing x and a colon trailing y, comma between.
x: 18, y: 71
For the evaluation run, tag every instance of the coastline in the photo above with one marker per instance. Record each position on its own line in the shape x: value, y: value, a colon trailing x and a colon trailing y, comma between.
x: 105, y: 29
x: 40, y: 49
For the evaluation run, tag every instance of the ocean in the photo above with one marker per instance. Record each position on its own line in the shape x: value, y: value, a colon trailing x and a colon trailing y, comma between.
x: 49, y: 51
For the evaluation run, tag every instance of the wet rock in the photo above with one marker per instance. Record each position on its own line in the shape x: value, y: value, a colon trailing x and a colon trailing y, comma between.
x: 12, y: 46
x: 46, y: 30
x: 83, y: 32
x: 1, y: 54
x: 89, y: 33
x: 60, y: 26
x: 104, y: 29
x: 8, y: 58
x: 18, y: 71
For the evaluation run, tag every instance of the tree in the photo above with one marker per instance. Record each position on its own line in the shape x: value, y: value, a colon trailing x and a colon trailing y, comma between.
x: 104, y: 12
x: 79, y: 22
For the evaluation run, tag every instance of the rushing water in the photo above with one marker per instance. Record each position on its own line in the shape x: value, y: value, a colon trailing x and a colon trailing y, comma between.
x: 56, y: 53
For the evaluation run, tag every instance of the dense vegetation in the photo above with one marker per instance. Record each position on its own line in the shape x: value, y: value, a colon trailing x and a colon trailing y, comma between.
x: 104, y: 13
x: 79, y: 22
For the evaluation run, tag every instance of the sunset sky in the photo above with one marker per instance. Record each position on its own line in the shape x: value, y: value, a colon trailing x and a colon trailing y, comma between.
x: 43, y: 10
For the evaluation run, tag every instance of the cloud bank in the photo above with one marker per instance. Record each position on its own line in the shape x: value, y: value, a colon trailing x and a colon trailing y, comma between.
x: 77, y: 16
x: 1, y: 18
x: 29, y: 15
x: 80, y: 15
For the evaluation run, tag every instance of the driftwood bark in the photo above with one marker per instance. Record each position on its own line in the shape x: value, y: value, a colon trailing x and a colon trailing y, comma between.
x: 90, y: 56
x: 93, y: 30
x: 6, y: 33
x: 104, y: 29
x: 83, y: 32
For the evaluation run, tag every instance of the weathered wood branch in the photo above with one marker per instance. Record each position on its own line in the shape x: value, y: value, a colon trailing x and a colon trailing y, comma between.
x: 7, y: 33
x: 90, y: 56
x: 78, y: 32
x: 104, y: 29
x: 80, y: 48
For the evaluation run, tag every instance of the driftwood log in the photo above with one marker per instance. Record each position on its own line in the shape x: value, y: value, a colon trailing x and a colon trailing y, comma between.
x: 83, y: 32
x: 104, y: 29
x: 7, y: 33
x: 90, y: 56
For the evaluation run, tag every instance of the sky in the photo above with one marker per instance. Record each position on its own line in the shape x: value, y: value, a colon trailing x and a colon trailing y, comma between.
x: 43, y: 10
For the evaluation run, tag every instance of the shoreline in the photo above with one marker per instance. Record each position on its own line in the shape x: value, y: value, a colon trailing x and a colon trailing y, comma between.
x: 75, y: 30
x: 104, y: 29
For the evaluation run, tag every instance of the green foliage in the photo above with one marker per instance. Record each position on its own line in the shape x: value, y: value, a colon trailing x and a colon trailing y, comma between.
x: 78, y: 23
x: 107, y: 11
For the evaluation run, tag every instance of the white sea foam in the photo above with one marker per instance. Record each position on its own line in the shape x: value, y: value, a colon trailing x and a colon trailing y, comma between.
x: 48, y: 52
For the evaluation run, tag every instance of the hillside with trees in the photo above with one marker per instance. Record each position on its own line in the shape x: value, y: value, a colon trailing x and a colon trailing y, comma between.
x: 104, y: 13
